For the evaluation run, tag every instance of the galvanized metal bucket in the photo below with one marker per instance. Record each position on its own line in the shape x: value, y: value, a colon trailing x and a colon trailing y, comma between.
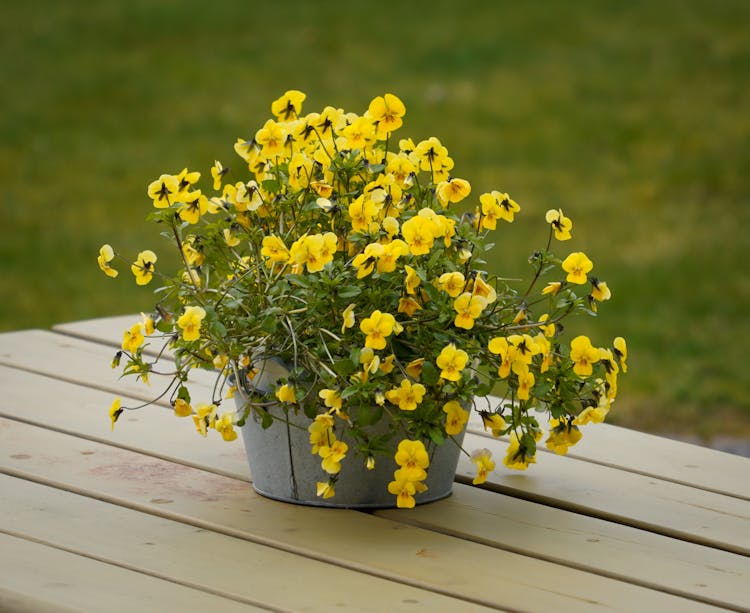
x: 284, y: 468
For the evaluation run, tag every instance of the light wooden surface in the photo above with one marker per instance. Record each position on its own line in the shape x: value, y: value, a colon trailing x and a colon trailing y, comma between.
x: 152, y: 517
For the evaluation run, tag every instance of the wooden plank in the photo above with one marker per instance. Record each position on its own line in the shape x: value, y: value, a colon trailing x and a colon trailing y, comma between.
x: 388, y: 549
x: 655, y: 456
x: 608, y: 445
x: 88, y: 363
x: 83, y: 411
x: 644, y: 502
x: 702, y: 573
x: 36, y: 577
x: 154, y: 546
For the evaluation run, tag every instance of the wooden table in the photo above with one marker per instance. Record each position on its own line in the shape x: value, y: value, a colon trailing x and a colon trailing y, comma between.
x: 151, y: 517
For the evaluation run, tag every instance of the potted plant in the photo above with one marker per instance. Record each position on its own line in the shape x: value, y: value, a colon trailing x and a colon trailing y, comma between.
x: 336, y: 285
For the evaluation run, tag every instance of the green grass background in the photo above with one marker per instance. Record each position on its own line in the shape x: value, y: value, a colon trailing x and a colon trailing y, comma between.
x: 634, y: 117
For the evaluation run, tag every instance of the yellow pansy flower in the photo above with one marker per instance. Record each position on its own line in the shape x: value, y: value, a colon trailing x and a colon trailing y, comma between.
x: 132, y: 338
x: 230, y: 239
x: 419, y: 234
x: 193, y: 256
x: 577, y: 265
x: 332, y: 456
x: 412, y: 459
x: 245, y: 196
x: 516, y: 456
x: 525, y: 384
x: 482, y: 458
x: 408, y: 305
x: 547, y: 329
x: 348, y: 318
x: 359, y: 134
x: 553, y: 287
x: 584, y: 355
x: 412, y: 280
x: 479, y: 287
x: 186, y: 179
x: 362, y: 212
x: 162, y: 190
x: 431, y: 154
x: 286, y: 393
x: 190, y: 322
x: 599, y: 290
x: 595, y: 415
x: 194, y: 204
x: 414, y: 368
x: 453, y: 190
x: 324, y: 190
x: 386, y: 112
x: 390, y: 254
x: 325, y: 489
x: 333, y: 401
x: 456, y: 417
x: 217, y: 173
x: 407, y: 396
x: 115, y: 410
x: 224, y: 425
x: 404, y: 491
x: 621, y: 351
x: 365, y: 262
x: 561, y: 225
x: 545, y: 349
x: 563, y: 434
x: 497, y: 205
x: 143, y: 267
x: 451, y: 362
x: 377, y: 327
x: 387, y: 365
x: 321, y: 432
x: 500, y: 346
x: 106, y: 255
x: 148, y: 324
x: 453, y: 283
x: 182, y: 408
x: 494, y: 422
x: 289, y: 105
x: 468, y: 308
x: 271, y: 139
x: 305, y: 251
x: 204, y: 418
x: 274, y: 249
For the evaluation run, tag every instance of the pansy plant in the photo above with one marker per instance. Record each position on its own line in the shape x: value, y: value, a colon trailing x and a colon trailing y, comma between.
x: 351, y: 256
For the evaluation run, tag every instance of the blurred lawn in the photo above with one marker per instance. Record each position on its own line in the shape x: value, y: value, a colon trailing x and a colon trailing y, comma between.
x: 633, y: 117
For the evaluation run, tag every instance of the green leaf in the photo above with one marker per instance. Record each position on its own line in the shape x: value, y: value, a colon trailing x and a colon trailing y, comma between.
x: 270, y: 324
x: 483, y: 389
x: 348, y: 392
x: 436, y: 435
x: 344, y: 367
x: 367, y: 415
x: 271, y: 185
x: 299, y: 281
x: 430, y: 374
x: 349, y: 291
x: 266, y: 420
x: 184, y: 394
x: 216, y: 328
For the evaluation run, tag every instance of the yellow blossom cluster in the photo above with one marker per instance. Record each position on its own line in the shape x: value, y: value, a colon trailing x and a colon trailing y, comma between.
x: 354, y: 257
x: 408, y: 480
